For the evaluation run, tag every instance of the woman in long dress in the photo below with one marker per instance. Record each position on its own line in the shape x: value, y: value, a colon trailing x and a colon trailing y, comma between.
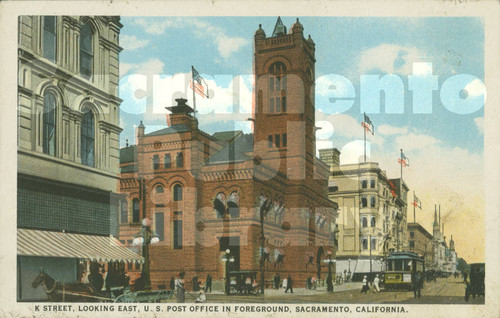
x: 179, y: 288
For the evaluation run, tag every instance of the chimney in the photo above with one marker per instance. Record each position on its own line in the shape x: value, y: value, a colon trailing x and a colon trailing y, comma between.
x: 180, y: 114
x: 330, y: 156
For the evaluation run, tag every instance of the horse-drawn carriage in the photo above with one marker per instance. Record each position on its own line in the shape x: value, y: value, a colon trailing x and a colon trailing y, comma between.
x: 475, y: 285
x: 81, y: 292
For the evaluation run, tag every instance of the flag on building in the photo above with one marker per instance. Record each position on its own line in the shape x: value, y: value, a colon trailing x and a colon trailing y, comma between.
x: 417, y: 203
x: 404, y: 161
x: 368, y: 125
x: 198, y: 84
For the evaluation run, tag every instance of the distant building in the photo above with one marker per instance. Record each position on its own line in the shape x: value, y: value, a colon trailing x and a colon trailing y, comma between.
x: 205, y: 193
x: 372, y: 214
x: 420, y: 242
x: 68, y: 117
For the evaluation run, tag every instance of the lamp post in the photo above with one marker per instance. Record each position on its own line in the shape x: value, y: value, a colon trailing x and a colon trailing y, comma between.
x: 228, y: 259
x: 349, y: 272
x: 329, y: 282
x: 145, y: 237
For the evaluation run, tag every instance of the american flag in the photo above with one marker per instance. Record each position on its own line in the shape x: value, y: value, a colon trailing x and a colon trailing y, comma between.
x: 417, y: 203
x: 199, y: 83
x: 198, y: 89
x: 368, y: 125
x: 404, y: 161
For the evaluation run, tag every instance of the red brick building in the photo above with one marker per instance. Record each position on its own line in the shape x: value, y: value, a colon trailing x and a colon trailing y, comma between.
x: 205, y: 193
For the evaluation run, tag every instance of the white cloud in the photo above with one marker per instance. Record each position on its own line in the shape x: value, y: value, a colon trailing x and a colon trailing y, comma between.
x: 392, y: 130
x: 479, y: 124
x: 157, y: 26
x: 415, y: 141
x: 476, y: 88
x: 131, y: 42
x: 226, y: 45
x: 390, y: 59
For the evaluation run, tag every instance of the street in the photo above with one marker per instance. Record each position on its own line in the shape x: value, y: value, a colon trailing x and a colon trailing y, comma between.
x: 443, y: 291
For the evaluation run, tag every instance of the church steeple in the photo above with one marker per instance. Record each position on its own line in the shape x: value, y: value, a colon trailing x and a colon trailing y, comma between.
x: 435, y: 224
x: 452, y: 244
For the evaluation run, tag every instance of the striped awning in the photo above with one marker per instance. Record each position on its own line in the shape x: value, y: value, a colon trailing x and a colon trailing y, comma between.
x: 69, y: 245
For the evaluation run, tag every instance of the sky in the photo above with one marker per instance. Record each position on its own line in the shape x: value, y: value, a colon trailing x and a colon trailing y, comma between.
x: 441, y: 132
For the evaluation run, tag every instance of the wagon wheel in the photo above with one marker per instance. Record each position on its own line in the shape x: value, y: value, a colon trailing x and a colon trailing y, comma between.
x: 126, y: 298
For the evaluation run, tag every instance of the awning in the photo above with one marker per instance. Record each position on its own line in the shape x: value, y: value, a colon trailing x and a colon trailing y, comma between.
x: 69, y: 245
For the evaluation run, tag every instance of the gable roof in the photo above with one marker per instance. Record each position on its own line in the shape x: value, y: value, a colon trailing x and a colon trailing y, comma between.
x: 234, y: 151
x: 169, y: 130
x: 227, y: 135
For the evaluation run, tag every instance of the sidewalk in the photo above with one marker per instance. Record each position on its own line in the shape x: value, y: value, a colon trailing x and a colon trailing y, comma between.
x: 305, y: 291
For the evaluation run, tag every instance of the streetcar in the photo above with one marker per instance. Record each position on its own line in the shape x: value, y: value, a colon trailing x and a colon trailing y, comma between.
x: 400, y: 267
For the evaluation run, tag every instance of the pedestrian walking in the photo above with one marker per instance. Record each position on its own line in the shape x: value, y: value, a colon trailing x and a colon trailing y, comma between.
x: 376, y: 283
x: 285, y: 281
x: 248, y: 285
x: 208, y: 283
x: 314, y: 281
x: 416, y: 284
x: 179, y: 288
x: 172, y: 283
x: 289, y: 284
x: 277, y: 281
x: 365, y: 287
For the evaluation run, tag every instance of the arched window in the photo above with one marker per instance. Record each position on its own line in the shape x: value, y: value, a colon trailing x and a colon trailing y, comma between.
x: 177, y: 192
x: 86, y: 51
x: 364, y: 202
x: 372, y: 201
x: 49, y: 124
x: 277, y: 88
x: 233, y: 205
x: 365, y: 244
x: 167, y: 161
x: 372, y: 184
x: 364, y: 184
x: 135, y: 211
x: 373, y: 244
x: 373, y: 222
x: 124, y: 212
x: 49, y: 38
x: 179, y: 160
x: 365, y: 222
x: 159, y: 189
x: 87, y: 138
x: 220, y: 205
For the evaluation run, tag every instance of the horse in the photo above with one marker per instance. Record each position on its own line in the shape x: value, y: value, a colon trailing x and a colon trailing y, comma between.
x: 66, y: 292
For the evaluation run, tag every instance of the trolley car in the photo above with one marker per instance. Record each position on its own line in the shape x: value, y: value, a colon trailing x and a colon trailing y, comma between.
x: 400, y: 266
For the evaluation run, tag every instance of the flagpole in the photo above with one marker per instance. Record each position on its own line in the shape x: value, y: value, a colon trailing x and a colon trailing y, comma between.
x: 364, y: 136
x: 194, y: 96
x: 414, y: 205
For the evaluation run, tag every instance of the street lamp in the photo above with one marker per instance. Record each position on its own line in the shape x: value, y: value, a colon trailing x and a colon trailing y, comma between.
x: 349, y: 272
x: 329, y: 282
x: 145, y: 237
x: 228, y: 259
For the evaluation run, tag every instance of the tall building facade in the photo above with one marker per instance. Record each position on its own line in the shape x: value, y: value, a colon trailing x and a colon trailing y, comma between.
x: 420, y: 242
x: 206, y: 193
x: 68, y: 150
x: 372, y: 214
